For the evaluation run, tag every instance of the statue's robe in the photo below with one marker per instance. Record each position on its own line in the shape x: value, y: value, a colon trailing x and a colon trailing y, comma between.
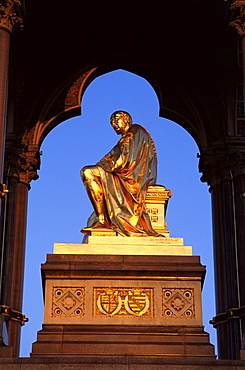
x: 126, y: 172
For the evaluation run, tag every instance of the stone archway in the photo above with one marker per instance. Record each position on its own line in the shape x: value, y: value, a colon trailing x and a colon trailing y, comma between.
x: 59, y: 106
x: 179, y: 104
x: 66, y: 128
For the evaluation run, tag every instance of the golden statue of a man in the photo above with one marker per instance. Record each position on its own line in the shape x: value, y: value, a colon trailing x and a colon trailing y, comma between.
x: 117, y: 184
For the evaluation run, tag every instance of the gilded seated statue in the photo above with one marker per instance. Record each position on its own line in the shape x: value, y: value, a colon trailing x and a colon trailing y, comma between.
x: 118, y: 183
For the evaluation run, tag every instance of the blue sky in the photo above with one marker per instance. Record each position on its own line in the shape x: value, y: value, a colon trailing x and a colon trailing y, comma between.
x: 58, y: 203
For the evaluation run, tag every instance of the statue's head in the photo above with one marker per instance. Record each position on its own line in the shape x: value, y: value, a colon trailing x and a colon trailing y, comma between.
x: 121, y: 121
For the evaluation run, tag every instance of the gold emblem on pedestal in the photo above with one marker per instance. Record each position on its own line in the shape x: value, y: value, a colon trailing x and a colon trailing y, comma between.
x: 68, y: 302
x: 178, y: 303
x: 137, y: 303
x: 123, y: 302
x: 109, y: 302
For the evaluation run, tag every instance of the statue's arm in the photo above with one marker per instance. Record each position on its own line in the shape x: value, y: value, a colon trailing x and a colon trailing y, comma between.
x: 126, y: 145
x: 108, y: 161
x: 120, y: 156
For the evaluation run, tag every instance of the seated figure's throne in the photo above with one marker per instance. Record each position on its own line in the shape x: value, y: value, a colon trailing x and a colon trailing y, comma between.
x: 156, y: 202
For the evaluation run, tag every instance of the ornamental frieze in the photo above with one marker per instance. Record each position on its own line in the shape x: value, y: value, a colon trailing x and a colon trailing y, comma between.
x: 123, y: 302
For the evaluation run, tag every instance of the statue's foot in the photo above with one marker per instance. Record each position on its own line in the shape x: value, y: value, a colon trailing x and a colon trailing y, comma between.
x: 99, y: 225
x: 95, y: 225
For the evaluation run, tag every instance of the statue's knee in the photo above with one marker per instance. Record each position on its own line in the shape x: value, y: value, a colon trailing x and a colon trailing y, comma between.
x: 85, y: 173
x: 88, y: 173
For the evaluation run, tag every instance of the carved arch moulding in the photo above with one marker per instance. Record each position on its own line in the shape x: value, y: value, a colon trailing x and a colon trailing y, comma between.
x: 66, y: 105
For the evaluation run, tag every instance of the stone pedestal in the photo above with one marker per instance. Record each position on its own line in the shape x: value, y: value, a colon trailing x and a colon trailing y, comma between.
x: 114, y: 305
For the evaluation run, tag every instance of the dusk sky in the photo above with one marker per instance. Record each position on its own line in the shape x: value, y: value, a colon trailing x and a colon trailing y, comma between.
x: 58, y: 203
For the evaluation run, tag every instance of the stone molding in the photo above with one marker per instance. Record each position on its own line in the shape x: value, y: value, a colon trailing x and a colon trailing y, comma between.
x: 10, y: 15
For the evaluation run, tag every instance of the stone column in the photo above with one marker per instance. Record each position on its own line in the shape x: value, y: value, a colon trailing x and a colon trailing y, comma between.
x: 224, y: 171
x: 22, y: 169
x: 15, y: 258
x: 4, y: 57
x: 8, y: 20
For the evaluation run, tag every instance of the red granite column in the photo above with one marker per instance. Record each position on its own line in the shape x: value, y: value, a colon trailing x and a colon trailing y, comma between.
x: 238, y: 22
x: 4, y: 61
x: 15, y: 237
x: 5, y: 30
x: 18, y: 265
x: 239, y: 191
x: 224, y: 171
x: 10, y: 17
x: 226, y: 268
x: 15, y: 257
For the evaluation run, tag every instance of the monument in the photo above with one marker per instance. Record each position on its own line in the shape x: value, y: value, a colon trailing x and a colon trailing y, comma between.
x: 117, y: 184
x: 129, y: 288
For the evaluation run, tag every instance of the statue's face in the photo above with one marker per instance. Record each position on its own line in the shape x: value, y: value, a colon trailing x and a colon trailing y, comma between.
x: 119, y: 124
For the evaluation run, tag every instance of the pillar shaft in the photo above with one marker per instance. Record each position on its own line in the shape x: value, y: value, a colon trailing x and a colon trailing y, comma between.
x: 4, y: 65
x: 223, y: 168
x: 239, y: 190
x: 226, y: 252
x: 4, y: 70
x: 14, y: 256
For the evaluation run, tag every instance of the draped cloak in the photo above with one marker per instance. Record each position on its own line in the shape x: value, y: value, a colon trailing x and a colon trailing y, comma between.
x: 126, y: 172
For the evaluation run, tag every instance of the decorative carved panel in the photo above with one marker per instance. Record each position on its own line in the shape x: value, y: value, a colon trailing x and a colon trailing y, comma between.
x: 123, y: 302
x: 178, y: 303
x: 68, y: 301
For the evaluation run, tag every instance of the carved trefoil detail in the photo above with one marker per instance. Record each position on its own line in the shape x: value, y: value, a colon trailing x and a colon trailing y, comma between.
x: 123, y: 302
x: 178, y: 303
x: 68, y: 302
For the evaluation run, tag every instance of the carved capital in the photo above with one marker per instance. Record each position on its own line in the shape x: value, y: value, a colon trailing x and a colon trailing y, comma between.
x: 23, y: 158
x: 238, y: 17
x: 222, y: 163
x: 29, y: 158
x: 10, y: 15
x: 29, y: 163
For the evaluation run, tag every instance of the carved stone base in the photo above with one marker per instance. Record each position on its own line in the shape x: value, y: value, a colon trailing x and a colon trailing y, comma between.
x: 122, y: 305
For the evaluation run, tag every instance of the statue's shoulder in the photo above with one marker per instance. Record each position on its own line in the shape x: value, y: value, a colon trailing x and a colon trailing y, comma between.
x: 139, y: 130
x: 135, y: 128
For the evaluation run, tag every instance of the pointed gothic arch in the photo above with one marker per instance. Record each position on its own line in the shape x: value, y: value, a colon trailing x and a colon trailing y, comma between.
x: 65, y: 101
